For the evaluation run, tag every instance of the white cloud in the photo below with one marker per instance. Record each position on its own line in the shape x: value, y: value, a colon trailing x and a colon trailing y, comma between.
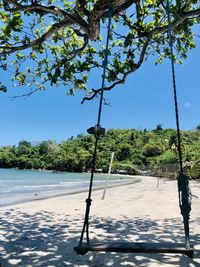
x: 187, y: 104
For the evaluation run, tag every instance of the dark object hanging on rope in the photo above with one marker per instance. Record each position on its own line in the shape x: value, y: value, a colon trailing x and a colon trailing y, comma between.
x: 185, y: 204
x: 96, y: 130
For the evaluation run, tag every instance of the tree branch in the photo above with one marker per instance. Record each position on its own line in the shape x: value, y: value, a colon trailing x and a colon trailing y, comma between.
x: 76, y: 51
x: 95, y: 92
x: 7, y: 50
x: 40, y: 9
x: 184, y: 16
x: 100, y: 11
x: 36, y: 8
x: 81, y: 5
x: 148, y: 35
x: 25, y: 95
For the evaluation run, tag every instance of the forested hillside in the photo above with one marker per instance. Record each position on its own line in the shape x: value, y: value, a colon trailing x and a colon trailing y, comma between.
x: 135, y: 152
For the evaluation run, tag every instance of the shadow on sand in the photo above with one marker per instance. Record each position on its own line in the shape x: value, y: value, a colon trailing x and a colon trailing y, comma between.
x: 38, y: 240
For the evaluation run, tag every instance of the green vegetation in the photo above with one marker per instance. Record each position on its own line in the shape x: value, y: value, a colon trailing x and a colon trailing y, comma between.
x: 135, y: 152
x: 53, y: 42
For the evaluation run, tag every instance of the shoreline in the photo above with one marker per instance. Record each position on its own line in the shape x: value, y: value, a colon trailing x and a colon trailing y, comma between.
x: 63, y: 172
x: 57, y: 195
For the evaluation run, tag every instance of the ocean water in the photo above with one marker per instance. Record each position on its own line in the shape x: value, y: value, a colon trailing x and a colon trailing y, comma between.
x: 18, y: 186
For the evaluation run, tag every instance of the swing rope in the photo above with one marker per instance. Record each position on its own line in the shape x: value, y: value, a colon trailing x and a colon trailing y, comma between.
x: 97, y: 131
x: 183, y: 180
x: 174, y: 87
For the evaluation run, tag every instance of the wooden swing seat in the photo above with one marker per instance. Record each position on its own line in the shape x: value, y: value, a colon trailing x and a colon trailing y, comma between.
x: 139, y: 247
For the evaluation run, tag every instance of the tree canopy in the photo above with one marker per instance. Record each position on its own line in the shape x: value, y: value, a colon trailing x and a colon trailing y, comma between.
x: 62, y: 42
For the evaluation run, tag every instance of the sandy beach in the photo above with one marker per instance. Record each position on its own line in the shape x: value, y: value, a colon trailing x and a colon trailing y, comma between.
x: 44, y: 232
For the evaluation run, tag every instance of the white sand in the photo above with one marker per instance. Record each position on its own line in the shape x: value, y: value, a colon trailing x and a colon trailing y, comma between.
x: 43, y: 233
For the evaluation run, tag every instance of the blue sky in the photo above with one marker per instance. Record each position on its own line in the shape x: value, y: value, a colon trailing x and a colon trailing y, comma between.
x: 145, y: 100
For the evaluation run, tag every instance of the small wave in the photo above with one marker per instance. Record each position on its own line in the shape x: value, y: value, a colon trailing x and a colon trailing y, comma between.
x: 78, y: 182
x: 6, y: 191
x: 49, y: 185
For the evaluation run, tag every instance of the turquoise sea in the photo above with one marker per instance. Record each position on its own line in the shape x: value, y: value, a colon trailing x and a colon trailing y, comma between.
x: 18, y: 186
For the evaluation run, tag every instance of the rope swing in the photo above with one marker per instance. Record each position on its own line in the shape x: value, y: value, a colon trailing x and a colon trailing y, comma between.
x: 183, y: 180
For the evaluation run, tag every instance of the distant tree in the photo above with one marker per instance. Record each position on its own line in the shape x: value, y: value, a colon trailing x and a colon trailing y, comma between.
x: 24, y: 147
x: 195, y: 170
x: 168, y: 157
x: 44, y: 146
x: 159, y: 128
x: 173, y: 141
x: 7, y: 157
x: 152, y: 150
x: 198, y: 127
x: 124, y: 152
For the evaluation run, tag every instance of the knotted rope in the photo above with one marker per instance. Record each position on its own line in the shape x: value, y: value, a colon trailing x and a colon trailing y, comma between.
x: 183, y: 180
